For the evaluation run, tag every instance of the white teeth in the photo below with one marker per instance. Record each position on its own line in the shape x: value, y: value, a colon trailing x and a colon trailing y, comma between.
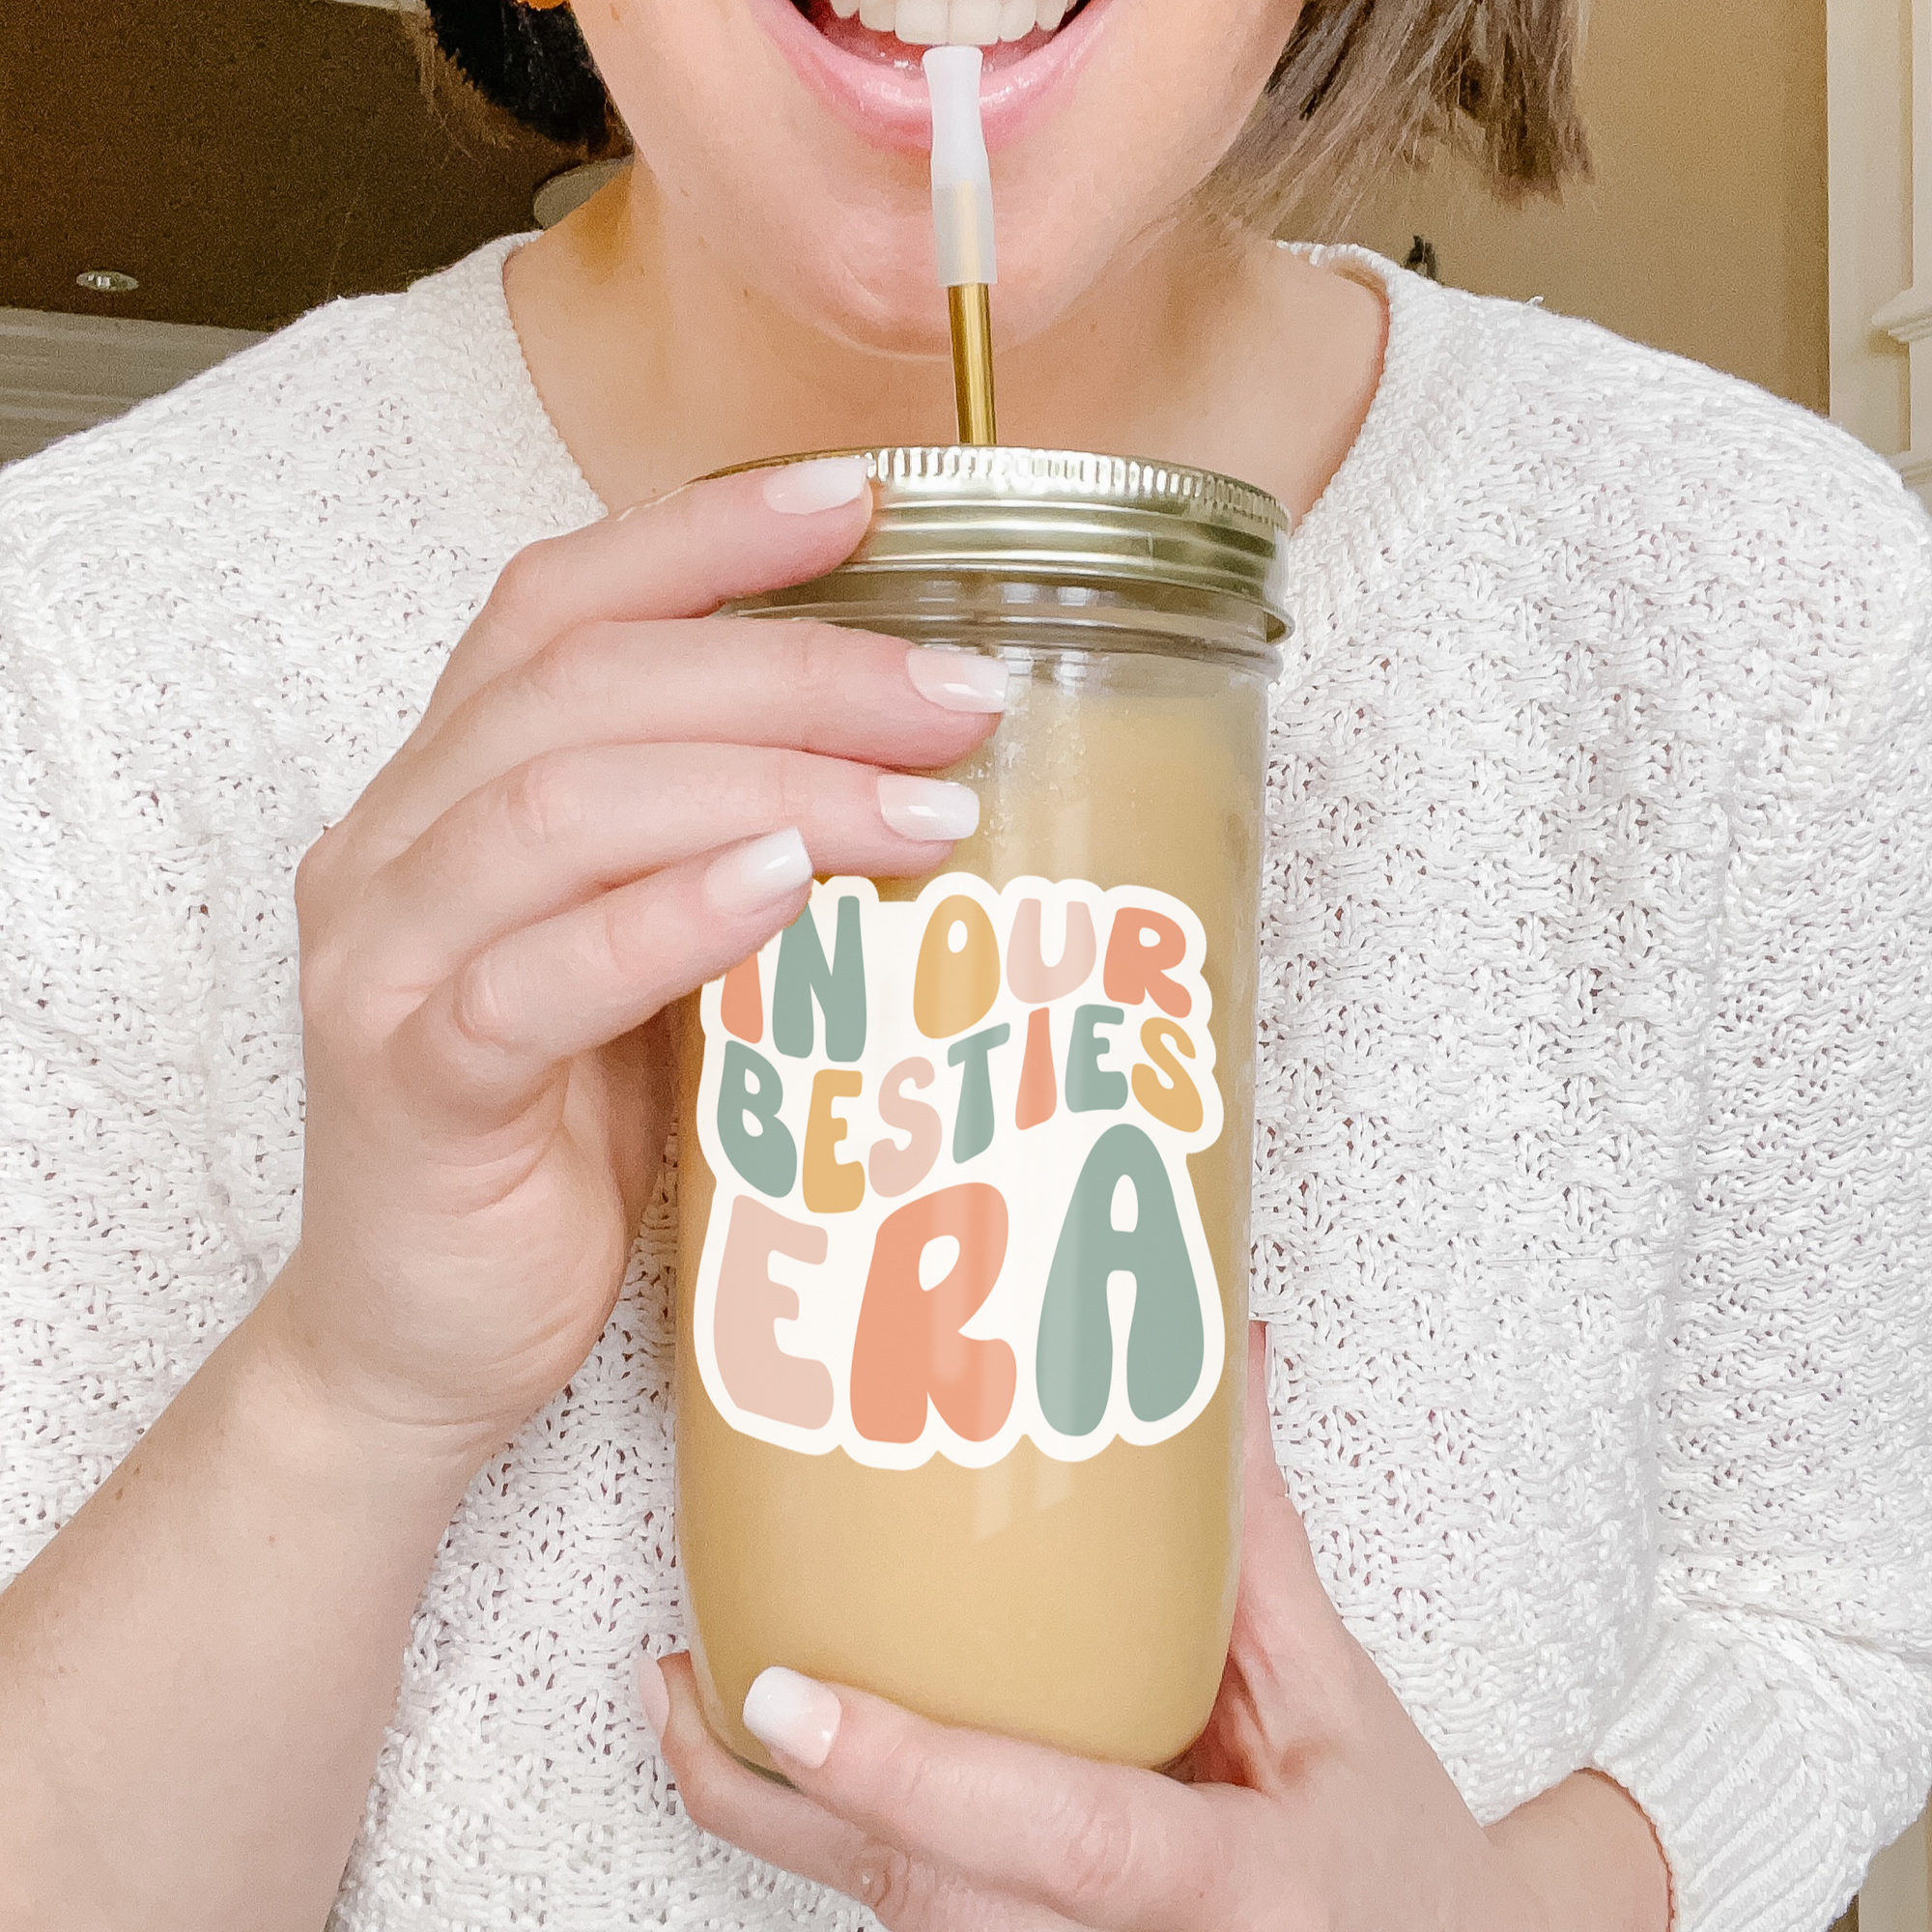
x: 974, y: 23
x: 922, y: 22
x: 959, y: 24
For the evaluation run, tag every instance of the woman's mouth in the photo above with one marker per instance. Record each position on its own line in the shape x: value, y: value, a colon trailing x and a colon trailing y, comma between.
x: 892, y: 29
x: 862, y: 57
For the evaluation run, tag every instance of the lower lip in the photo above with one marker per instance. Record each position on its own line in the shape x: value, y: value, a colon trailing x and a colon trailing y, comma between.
x: 887, y: 104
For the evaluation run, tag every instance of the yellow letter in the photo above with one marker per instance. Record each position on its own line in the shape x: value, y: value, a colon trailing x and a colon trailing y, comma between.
x: 954, y: 990
x: 832, y: 1186
x: 1169, y: 1095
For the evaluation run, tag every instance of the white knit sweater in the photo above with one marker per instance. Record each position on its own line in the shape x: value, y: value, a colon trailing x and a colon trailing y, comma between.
x: 1594, y: 1171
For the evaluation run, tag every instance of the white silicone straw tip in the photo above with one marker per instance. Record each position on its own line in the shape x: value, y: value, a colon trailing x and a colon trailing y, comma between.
x: 962, y: 181
x: 958, y: 139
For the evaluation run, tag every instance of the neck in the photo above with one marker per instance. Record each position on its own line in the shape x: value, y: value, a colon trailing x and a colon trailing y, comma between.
x: 657, y: 363
x: 711, y: 371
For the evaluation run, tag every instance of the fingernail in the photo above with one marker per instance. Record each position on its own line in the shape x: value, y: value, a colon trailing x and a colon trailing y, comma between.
x: 751, y: 877
x: 928, y: 807
x: 655, y: 1696
x: 826, y: 483
x: 957, y: 680
x: 793, y: 1715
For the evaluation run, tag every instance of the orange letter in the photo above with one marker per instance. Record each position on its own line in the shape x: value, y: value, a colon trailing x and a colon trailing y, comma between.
x: 1040, y: 1092
x: 955, y: 987
x: 832, y: 1186
x: 1140, y: 950
x: 1163, y: 1089
x: 758, y: 1374
x: 909, y: 1347
x: 741, y: 1005
x: 897, y: 1170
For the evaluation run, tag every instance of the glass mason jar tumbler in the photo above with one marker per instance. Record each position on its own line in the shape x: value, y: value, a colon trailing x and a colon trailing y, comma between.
x: 965, y: 1161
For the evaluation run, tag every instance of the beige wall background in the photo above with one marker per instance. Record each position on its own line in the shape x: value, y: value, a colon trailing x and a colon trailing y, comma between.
x: 1706, y: 229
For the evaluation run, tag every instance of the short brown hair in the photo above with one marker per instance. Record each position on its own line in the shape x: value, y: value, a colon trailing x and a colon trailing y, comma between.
x: 1369, y: 83
x: 1364, y: 84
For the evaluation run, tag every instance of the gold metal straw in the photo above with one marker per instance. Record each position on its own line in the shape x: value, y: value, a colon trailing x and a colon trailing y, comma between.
x: 962, y: 224
x: 972, y: 362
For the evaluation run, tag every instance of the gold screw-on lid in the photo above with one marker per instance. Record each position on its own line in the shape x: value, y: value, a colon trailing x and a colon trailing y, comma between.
x: 1076, y: 518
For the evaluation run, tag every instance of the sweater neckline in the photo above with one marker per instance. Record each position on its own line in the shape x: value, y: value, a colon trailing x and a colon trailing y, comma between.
x: 1374, y: 509
x: 1388, y: 494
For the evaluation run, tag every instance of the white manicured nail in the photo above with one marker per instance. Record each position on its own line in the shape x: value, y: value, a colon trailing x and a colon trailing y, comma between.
x: 826, y: 483
x: 792, y: 1716
x: 751, y: 877
x: 957, y: 680
x: 928, y: 807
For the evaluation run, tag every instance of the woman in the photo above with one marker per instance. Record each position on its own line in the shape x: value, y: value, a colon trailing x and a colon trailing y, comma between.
x: 1591, y: 1172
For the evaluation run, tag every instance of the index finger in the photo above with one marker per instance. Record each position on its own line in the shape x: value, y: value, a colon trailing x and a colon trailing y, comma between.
x: 683, y: 555
x: 1108, y: 1847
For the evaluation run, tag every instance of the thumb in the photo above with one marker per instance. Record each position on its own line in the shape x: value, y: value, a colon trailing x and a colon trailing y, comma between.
x: 1287, y: 1641
x: 1281, y: 1591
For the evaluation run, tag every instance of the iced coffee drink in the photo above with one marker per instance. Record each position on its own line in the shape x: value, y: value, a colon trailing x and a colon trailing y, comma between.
x: 964, y: 1162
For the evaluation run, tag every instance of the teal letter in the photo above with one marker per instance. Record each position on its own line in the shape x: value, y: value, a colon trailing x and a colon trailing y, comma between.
x: 1092, y: 1088
x: 757, y: 1142
x: 840, y: 988
x: 1074, y: 1366
x: 973, y: 1124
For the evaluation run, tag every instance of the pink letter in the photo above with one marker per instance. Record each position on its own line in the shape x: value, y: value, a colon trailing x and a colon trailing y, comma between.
x: 758, y: 1374
x: 1033, y: 982
x: 897, y: 1170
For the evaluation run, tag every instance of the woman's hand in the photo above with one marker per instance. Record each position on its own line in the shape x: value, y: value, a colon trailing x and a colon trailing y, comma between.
x: 612, y: 797
x: 1309, y: 1805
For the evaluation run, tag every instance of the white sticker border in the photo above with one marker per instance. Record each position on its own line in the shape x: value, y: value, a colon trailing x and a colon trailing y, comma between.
x: 1012, y: 1311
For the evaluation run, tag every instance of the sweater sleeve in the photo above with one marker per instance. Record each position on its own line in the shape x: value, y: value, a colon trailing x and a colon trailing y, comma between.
x: 1778, y: 1729
x: 119, y: 1269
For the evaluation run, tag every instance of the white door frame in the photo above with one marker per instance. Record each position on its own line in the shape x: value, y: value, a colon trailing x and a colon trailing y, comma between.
x: 1880, y: 54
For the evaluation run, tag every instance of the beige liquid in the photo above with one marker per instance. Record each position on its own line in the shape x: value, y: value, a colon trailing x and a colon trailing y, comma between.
x: 1086, y: 1605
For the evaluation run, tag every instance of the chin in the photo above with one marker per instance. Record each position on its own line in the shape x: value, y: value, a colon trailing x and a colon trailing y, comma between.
x: 808, y: 178
x: 873, y: 288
